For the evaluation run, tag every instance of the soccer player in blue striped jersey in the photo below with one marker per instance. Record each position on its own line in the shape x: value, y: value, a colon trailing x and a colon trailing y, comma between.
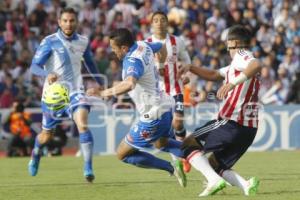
x: 140, y: 80
x: 59, y: 58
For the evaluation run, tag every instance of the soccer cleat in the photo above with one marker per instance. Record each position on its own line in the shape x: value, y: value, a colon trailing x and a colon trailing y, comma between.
x: 252, y: 188
x: 89, y: 176
x: 214, y: 188
x: 186, y: 166
x: 178, y: 172
x: 33, y: 165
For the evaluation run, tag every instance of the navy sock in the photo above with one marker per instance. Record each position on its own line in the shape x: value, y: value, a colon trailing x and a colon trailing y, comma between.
x: 173, y: 147
x: 147, y: 160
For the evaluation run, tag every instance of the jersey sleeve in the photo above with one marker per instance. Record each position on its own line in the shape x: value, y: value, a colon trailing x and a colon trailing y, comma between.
x: 242, y: 59
x: 155, y: 46
x: 133, y: 67
x: 223, y: 71
x: 183, y: 54
x: 42, y: 53
x: 41, y: 56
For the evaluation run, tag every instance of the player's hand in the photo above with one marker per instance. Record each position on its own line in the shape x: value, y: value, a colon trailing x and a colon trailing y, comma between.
x: 185, y: 80
x: 93, y: 92
x: 223, y: 91
x: 51, y: 78
x: 183, y: 70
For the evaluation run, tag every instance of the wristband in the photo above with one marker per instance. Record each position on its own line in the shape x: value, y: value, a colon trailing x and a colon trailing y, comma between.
x: 239, y: 79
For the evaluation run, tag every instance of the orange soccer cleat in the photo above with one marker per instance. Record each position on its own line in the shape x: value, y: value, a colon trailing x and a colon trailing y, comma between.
x: 186, y: 166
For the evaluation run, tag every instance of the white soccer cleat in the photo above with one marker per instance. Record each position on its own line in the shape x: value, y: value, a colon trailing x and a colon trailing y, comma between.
x: 252, y: 187
x: 212, y: 189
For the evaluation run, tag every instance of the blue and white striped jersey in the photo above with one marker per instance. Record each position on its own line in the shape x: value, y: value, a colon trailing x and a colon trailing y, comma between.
x: 150, y: 101
x: 64, y: 56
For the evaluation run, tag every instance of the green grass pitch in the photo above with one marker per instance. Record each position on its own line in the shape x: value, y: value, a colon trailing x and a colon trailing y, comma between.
x: 60, y: 178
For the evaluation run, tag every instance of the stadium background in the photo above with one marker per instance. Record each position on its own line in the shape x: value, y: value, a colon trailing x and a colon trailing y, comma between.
x: 201, y: 24
x: 24, y: 23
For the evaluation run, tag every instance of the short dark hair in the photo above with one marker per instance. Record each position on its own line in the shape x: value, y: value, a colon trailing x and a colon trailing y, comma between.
x: 68, y: 10
x: 240, y: 33
x: 159, y: 12
x: 122, y: 36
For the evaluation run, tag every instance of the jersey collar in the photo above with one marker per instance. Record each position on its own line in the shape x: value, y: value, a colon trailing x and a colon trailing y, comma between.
x: 74, y: 36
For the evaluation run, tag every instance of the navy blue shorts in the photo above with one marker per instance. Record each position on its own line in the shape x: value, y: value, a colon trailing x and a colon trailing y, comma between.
x: 227, y: 139
x: 179, y: 108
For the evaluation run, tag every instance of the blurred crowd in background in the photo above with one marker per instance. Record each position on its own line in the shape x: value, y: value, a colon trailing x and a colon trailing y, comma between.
x: 202, y: 25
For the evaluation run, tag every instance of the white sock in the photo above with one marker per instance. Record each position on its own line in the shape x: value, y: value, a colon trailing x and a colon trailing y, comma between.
x: 174, y: 158
x: 200, y: 163
x: 235, y: 179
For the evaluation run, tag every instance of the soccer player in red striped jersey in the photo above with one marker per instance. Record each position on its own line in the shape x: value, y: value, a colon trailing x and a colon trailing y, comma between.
x: 177, y: 54
x: 168, y: 70
x: 229, y: 136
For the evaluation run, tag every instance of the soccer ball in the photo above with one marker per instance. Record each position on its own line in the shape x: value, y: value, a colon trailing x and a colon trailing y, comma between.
x: 56, y: 96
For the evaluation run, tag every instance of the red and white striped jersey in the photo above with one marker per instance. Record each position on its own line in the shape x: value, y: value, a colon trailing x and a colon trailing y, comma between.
x: 176, y: 52
x: 241, y: 103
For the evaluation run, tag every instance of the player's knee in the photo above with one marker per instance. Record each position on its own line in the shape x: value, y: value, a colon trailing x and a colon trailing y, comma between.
x: 190, y: 145
x: 120, y: 154
x: 44, y: 137
x: 82, y: 128
x: 161, y: 143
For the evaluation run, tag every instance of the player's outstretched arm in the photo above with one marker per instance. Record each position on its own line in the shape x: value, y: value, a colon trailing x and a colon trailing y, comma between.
x: 202, y: 72
x: 121, y: 88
